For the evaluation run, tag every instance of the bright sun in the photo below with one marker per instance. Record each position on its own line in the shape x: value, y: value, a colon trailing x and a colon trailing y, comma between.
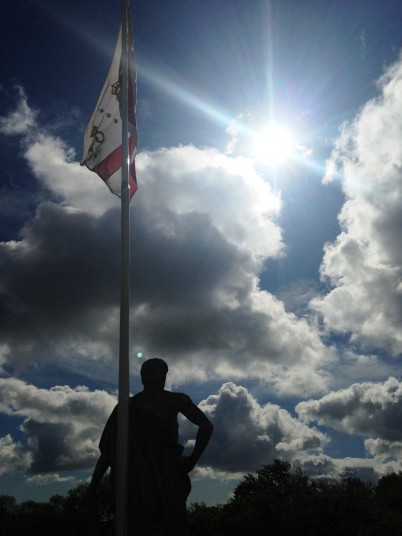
x: 273, y: 145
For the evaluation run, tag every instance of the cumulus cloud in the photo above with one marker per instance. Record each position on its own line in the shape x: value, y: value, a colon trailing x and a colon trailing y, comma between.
x: 248, y: 434
x: 381, y: 448
x: 14, y: 457
x: 372, y: 409
x: 364, y: 264
x: 53, y: 162
x: 203, y: 224
x: 62, y: 427
x: 369, y: 469
x: 324, y: 467
x: 20, y: 120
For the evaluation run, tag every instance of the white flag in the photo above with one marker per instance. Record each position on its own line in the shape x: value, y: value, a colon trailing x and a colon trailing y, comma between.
x: 103, y: 135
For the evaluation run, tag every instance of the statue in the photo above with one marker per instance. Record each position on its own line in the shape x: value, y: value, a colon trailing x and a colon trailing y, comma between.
x: 158, y: 482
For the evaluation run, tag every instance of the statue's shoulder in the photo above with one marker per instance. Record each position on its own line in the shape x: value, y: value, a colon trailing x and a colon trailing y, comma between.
x: 161, y: 402
x: 179, y: 400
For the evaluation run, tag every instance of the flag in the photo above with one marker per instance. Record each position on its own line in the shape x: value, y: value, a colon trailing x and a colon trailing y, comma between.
x: 103, y: 135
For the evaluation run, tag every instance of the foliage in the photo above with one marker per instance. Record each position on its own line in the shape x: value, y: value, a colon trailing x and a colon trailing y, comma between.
x: 279, y: 500
x: 61, y: 516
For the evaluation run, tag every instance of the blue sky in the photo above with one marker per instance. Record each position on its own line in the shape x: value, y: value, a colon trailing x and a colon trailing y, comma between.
x: 267, y: 274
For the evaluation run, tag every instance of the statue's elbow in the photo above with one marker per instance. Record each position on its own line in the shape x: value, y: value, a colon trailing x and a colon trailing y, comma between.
x: 209, y: 427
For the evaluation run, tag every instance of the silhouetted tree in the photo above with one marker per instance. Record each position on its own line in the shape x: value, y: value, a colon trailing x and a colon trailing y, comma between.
x: 278, y: 500
x: 276, y: 497
x: 389, y: 501
x: 8, y: 506
x: 281, y: 500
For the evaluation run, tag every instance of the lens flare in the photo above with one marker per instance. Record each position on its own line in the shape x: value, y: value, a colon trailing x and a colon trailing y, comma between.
x: 273, y: 145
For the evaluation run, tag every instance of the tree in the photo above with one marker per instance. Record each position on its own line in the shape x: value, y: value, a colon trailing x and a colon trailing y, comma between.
x: 8, y: 506
x: 389, y: 503
x: 277, y: 498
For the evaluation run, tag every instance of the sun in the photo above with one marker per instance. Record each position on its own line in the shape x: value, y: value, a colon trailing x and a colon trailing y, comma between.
x: 273, y: 146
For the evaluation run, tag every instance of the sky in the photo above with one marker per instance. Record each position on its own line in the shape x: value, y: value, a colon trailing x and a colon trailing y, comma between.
x: 266, y: 258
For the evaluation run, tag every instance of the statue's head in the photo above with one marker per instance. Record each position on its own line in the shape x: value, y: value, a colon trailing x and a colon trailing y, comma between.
x: 153, y: 372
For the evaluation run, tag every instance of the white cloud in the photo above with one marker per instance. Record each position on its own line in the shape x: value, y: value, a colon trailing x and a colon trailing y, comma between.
x: 21, y: 119
x: 323, y: 467
x: 370, y: 409
x: 53, y: 163
x: 203, y: 223
x: 381, y: 448
x: 62, y: 426
x: 235, y: 198
x: 13, y: 456
x: 209, y: 472
x: 45, y: 479
x: 364, y: 264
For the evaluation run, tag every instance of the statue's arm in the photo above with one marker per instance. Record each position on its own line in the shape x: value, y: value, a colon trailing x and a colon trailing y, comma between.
x: 92, y: 494
x: 106, y: 448
x: 205, y: 429
x: 101, y: 467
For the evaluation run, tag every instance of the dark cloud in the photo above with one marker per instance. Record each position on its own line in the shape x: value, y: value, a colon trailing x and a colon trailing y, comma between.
x: 185, y: 262
x: 55, y: 283
x: 63, y: 276
x: 48, y: 445
x: 201, y: 227
x: 248, y: 434
x: 61, y: 427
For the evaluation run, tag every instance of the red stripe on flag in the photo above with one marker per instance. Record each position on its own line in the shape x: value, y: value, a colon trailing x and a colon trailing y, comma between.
x: 112, y: 163
x: 132, y: 179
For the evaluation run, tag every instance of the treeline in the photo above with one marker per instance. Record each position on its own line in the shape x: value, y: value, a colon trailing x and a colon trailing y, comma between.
x: 278, y: 500
x: 281, y: 500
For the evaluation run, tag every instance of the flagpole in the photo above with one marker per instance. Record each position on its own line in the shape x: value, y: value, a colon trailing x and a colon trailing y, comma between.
x: 123, y: 398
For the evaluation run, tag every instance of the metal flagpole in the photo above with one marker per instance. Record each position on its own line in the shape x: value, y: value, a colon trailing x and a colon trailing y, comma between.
x: 123, y: 399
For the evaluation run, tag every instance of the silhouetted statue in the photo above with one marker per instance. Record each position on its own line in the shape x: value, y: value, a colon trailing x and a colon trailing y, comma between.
x: 158, y: 482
